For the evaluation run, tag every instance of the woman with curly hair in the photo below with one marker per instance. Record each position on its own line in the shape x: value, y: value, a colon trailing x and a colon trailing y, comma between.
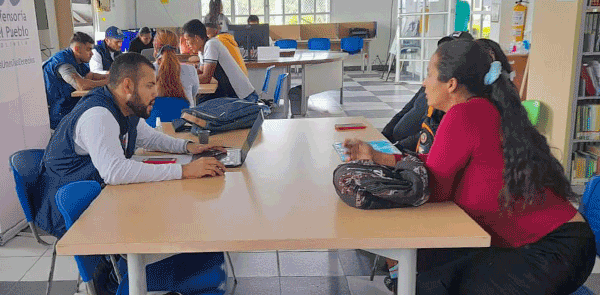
x: 489, y: 159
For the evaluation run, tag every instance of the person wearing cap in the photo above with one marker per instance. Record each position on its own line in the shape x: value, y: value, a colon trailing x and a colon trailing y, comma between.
x: 67, y: 71
x: 404, y: 128
x: 107, y: 51
x: 173, y: 79
x: 142, y: 41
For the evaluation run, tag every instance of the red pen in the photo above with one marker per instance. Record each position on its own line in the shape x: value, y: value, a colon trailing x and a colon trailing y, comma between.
x: 349, y: 126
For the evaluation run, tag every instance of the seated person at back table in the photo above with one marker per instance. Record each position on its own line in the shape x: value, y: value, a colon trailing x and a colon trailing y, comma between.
x: 142, y: 41
x: 67, y: 71
x: 212, y: 31
x: 490, y: 160
x: 253, y: 20
x: 404, y: 128
x: 107, y: 51
x: 174, y: 79
x: 218, y: 63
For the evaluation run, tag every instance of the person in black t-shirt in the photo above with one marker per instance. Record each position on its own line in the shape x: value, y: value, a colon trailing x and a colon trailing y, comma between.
x: 142, y: 41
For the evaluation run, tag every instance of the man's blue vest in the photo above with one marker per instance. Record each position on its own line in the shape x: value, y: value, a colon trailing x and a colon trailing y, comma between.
x: 58, y: 92
x: 62, y: 165
x: 107, y: 59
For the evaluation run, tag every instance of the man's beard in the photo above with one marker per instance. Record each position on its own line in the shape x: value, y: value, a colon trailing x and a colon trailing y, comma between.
x: 138, y: 108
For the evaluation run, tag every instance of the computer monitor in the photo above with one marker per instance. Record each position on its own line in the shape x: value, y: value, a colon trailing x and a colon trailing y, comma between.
x: 249, y: 37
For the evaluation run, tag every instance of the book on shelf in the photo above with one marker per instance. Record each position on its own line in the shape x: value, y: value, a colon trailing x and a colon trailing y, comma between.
x: 587, y: 122
x: 584, y: 165
x: 590, y: 85
x: 594, y: 2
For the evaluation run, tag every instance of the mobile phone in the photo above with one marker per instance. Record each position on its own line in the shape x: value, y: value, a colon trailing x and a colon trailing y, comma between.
x: 160, y: 161
x: 349, y: 126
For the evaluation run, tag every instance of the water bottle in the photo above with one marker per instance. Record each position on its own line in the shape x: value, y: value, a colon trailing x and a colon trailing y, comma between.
x: 158, y: 125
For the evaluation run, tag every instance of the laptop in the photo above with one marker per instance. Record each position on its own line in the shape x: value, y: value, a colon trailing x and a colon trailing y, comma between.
x: 235, y: 157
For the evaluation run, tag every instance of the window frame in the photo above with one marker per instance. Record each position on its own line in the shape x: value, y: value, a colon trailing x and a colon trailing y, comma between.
x: 301, y: 17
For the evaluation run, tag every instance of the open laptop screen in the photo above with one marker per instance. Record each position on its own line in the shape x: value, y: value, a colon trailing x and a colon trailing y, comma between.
x: 252, y: 135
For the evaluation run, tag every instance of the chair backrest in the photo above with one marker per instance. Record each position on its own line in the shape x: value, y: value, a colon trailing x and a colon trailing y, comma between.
x: 286, y: 44
x: 265, y: 87
x: 590, y: 207
x: 71, y: 200
x: 319, y: 44
x: 148, y: 53
x: 277, y: 93
x: 129, y: 36
x: 167, y: 109
x: 26, y: 166
x: 352, y: 45
x: 533, y: 110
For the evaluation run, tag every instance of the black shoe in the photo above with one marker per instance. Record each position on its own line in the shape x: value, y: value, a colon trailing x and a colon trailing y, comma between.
x: 391, y: 284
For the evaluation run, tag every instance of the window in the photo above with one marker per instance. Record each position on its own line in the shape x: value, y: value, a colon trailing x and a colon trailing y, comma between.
x: 481, y: 18
x: 275, y: 12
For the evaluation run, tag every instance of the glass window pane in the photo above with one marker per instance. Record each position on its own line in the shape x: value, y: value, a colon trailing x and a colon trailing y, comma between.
x: 438, y: 6
x: 307, y: 6
x: 410, y: 26
x: 430, y: 48
x: 291, y: 20
x: 276, y: 20
x: 411, y: 71
x: 204, y: 6
x: 240, y: 20
x: 409, y: 49
x: 487, y: 26
x: 275, y: 7
x: 257, y: 7
x: 476, y: 26
x: 412, y: 6
x: 308, y: 18
x: 291, y: 6
x: 322, y: 6
x: 241, y: 7
x: 322, y: 18
x: 435, y: 26
x: 226, y: 7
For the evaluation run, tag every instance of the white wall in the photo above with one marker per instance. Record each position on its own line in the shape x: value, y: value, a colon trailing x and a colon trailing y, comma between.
x: 505, y: 36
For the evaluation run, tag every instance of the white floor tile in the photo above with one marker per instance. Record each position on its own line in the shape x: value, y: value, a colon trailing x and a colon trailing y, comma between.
x: 65, y: 269
x: 254, y: 264
x: 395, y: 98
x: 25, y: 247
x: 365, y: 106
x: 362, y: 285
x: 386, y: 87
x: 310, y: 264
x: 347, y: 84
x: 356, y: 93
x: 368, y: 79
x: 13, y: 268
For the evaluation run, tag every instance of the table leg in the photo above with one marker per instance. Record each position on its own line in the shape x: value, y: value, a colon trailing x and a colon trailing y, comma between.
x: 304, y: 99
x: 342, y: 88
x: 136, y: 269
x: 369, y: 66
x: 407, y: 271
x: 286, y: 97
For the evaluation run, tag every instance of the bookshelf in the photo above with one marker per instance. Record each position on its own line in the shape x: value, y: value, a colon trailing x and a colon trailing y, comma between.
x: 584, y: 144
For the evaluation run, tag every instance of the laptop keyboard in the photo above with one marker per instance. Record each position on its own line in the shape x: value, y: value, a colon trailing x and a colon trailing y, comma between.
x: 233, y: 157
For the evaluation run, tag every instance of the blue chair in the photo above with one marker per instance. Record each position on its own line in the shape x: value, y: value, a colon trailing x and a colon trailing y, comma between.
x: 354, y: 45
x: 319, y: 44
x: 71, y: 200
x: 590, y: 209
x: 129, y: 36
x: 265, y: 87
x: 167, y: 109
x: 277, y: 93
x: 286, y: 44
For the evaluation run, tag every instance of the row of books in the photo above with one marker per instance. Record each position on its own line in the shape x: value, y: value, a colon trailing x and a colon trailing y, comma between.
x: 585, y: 163
x: 587, y: 122
x: 591, y: 33
x: 593, y: 2
x: 590, y: 79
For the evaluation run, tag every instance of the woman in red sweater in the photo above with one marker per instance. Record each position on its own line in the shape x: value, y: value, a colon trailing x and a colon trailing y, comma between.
x: 490, y: 160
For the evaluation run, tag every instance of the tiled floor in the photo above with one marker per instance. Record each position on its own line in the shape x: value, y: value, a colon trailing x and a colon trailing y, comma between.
x: 24, y: 264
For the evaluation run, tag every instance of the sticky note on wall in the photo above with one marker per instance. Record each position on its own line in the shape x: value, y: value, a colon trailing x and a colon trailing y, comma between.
x: 164, y: 1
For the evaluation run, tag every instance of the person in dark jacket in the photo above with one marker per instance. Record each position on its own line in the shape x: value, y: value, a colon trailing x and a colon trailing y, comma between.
x: 404, y: 128
x: 67, y: 71
x: 142, y: 41
x: 107, y: 51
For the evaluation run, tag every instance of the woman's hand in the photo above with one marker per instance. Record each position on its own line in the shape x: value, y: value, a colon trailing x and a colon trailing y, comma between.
x: 196, y: 148
x: 360, y: 150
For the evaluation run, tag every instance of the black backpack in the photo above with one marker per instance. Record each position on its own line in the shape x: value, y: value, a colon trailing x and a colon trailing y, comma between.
x: 365, y: 185
x: 428, y: 129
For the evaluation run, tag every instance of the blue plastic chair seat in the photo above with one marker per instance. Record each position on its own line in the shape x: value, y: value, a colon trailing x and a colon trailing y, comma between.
x: 286, y: 44
x: 319, y: 44
x: 352, y: 45
x: 167, y: 109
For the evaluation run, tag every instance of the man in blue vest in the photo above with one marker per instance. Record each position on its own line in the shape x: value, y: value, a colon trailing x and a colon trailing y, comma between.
x: 67, y: 71
x: 96, y: 140
x: 107, y: 51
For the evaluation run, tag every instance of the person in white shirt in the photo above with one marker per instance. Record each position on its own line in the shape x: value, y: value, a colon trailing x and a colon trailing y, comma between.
x: 173, y: 78
x: 217, y: 63
x: 105, y: 53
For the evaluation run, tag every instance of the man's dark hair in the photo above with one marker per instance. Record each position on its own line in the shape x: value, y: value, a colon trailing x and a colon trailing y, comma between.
x: 126, y: 65
x: 253, y: 18
x: 82, y: 38
x: 145, y: 30
x: 195, y: 28
x: 212, y: 25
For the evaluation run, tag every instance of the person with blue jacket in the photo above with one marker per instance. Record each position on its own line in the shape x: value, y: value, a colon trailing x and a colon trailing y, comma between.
x: 67, y: 71
x: 106, y: 52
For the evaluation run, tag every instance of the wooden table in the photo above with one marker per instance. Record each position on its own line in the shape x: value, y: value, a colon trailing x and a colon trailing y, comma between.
x: 204, y: 89
x: 321, y: 71
x: 282, y: 198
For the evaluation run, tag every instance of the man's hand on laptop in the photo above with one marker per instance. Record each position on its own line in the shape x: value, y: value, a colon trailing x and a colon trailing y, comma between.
x: 202, y: 167
x: 196, y: 148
